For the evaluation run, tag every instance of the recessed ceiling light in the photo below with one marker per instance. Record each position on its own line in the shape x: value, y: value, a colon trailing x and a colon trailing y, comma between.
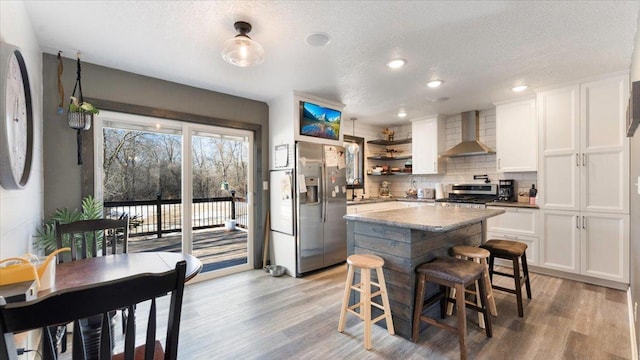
x: 519, y: 88
x: 396, y: 63
x: 402, y: 114
x: 434, y: 83
x: 318, y: 39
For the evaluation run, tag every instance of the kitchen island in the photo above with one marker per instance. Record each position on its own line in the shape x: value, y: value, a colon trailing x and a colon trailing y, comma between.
x: 406, y: 238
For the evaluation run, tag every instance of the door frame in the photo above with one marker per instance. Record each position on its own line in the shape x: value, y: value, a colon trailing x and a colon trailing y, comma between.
x: 92, y: 177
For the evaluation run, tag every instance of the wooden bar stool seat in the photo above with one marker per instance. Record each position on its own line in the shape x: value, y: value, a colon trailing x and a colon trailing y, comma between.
x: 366, y: 263
x: 516, y: 252
x: 479, y: 256
x: 456, y: 274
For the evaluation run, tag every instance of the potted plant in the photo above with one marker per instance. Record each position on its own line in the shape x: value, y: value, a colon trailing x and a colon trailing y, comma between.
x: 45, y: 237
x: 80, y: 114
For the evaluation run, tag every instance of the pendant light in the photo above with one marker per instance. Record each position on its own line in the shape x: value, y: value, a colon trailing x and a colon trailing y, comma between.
x: 353, y: 147
x: 242, y: 50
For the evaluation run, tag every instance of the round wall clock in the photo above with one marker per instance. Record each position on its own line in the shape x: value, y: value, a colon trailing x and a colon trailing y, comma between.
x: 16, y: 124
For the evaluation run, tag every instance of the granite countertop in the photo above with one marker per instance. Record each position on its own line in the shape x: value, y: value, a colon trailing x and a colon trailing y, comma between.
x: 379, y: 199
x: 513, y: 204
x: 427, y: 218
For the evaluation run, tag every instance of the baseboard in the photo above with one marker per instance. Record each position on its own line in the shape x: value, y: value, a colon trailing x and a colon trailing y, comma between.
x: 632, y: 327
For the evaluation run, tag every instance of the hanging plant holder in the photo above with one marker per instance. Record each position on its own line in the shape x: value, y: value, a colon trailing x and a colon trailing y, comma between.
x: 80, y: 114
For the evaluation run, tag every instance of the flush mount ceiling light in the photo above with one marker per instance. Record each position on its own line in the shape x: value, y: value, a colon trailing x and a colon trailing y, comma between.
x: 402, y: 114
x: 519, y: 88
x: 241, y: 50
x: 434, y: 83
x: 396, y: 63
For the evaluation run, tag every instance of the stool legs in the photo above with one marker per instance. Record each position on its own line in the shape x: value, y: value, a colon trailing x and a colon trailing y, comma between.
x: 345, y: 299
x: 385, y: 301
x: 365, y: 303
x: 517, y: 277
x: 461, y: 315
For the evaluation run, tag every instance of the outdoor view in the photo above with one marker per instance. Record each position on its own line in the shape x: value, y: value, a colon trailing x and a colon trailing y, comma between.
x: 143, y: 180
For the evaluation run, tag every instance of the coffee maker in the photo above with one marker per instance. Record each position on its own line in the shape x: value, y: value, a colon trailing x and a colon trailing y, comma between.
x: 506, y: 191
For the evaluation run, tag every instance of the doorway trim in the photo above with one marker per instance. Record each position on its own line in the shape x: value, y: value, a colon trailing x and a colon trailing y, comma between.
x: 88, y: 178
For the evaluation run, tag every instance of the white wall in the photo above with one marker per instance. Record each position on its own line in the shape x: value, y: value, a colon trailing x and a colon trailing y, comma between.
x: 21, y: 210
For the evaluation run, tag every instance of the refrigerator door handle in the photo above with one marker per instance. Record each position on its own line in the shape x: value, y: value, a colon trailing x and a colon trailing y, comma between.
x: 324, y: 193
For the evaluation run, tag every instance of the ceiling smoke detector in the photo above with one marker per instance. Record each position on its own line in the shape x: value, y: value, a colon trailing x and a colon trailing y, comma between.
x: 317, y: 39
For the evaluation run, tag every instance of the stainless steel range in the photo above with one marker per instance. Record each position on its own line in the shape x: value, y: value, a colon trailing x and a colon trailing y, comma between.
x: 470, y: 195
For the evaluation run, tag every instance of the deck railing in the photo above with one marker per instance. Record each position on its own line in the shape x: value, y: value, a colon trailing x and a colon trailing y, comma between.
x: 162, y: 216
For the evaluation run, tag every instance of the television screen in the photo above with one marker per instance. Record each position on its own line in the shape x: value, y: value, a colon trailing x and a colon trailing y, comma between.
x: 319, y: 121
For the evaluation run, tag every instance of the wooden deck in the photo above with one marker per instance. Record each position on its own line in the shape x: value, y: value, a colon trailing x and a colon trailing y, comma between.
x: 216, y: 248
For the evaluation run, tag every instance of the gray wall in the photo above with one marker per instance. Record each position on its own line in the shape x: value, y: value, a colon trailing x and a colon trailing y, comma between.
x: 634, y: 214
x: 63, y: 178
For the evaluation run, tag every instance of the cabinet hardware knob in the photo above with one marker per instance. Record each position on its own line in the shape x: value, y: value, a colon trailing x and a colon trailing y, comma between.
x: 584, y: 162
x: 577, y: 222
x: 577, y: 159
x: 584, y: 222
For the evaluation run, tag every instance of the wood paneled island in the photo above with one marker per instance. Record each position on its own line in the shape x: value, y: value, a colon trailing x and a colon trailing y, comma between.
x: 406, y: 238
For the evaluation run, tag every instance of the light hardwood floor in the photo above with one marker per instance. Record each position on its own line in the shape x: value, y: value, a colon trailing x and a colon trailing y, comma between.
x: 251, y: 315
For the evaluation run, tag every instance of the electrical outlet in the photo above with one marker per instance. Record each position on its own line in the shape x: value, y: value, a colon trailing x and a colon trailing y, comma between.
x: 265, y: 185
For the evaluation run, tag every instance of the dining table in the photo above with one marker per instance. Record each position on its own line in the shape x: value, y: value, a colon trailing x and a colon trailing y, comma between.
x: 102, y: 269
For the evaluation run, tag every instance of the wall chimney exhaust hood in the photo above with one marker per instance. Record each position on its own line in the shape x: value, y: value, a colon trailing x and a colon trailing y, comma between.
x: 470, y: 144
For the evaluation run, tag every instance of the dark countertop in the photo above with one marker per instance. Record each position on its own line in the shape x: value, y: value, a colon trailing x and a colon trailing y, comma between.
x: 513, y: 204
x: 427, y: 218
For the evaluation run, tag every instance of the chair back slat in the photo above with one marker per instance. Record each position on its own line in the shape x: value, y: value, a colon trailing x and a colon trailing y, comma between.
x: 69, y: 306
x: 85, y: 236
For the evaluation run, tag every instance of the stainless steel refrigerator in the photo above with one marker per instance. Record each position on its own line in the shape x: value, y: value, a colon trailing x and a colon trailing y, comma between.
x: 321, y: 236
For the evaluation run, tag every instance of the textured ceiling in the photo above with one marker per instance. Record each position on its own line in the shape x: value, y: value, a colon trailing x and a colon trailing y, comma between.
x: 479, y: 48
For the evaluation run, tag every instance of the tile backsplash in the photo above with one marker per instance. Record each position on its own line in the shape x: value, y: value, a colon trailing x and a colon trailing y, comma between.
x: 457, y: 169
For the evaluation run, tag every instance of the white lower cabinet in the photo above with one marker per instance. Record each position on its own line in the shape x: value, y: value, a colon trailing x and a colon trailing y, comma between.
x: 517, y: 224
x: 586, y: 243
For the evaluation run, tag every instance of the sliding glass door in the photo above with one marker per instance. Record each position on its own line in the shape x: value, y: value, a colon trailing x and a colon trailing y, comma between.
x: 185, y: 187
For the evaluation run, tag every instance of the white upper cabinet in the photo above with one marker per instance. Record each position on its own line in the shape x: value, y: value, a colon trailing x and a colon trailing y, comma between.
x: 428, y: 141
x: 584, y: 154
x: 516, y: 136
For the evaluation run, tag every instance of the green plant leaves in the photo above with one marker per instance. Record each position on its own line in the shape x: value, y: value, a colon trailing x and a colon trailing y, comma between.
x: 45, y: 236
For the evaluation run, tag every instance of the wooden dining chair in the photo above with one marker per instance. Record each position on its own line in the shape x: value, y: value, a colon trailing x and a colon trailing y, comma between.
x: 100, y: 299
x: 85, y: 237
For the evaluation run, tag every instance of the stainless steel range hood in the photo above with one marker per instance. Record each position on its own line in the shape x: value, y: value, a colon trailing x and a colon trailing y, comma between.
x: 470, y: 144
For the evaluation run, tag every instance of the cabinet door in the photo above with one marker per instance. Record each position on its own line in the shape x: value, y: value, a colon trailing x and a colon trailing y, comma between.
x: 559, y: 240
x: 559, y: 158
x: 426, y: 145
x: 518, y: 221
x: 517, y: 137
x: 605, y: 246
x: 604, y: 146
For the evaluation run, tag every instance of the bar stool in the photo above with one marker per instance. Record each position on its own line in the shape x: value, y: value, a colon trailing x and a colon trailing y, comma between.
x: 456, y: 274
x: 514, y: 251
x: 480, y: 256
x: 366, y: 263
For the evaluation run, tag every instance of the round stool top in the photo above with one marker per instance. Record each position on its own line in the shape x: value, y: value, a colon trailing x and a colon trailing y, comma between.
x: 366, y: 261
x: 470, y: 252
x: 505, y: 247
x: 452, y: 270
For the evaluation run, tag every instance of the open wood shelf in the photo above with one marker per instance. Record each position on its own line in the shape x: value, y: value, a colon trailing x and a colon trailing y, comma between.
x: 387, y: 143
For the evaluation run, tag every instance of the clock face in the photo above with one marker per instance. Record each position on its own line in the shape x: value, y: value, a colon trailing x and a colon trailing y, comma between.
x: 16, y: 125
x: 16, y: 118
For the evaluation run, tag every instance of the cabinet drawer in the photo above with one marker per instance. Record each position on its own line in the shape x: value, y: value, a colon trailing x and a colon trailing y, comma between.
x: 521, y: 221
x: 532, y: 246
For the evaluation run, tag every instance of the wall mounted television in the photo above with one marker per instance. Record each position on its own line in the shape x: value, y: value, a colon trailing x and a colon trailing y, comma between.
x: 319, y: 121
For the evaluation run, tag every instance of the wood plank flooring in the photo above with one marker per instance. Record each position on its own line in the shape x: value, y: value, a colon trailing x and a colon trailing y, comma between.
x: 251, y: 315
x: 216, y: 248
